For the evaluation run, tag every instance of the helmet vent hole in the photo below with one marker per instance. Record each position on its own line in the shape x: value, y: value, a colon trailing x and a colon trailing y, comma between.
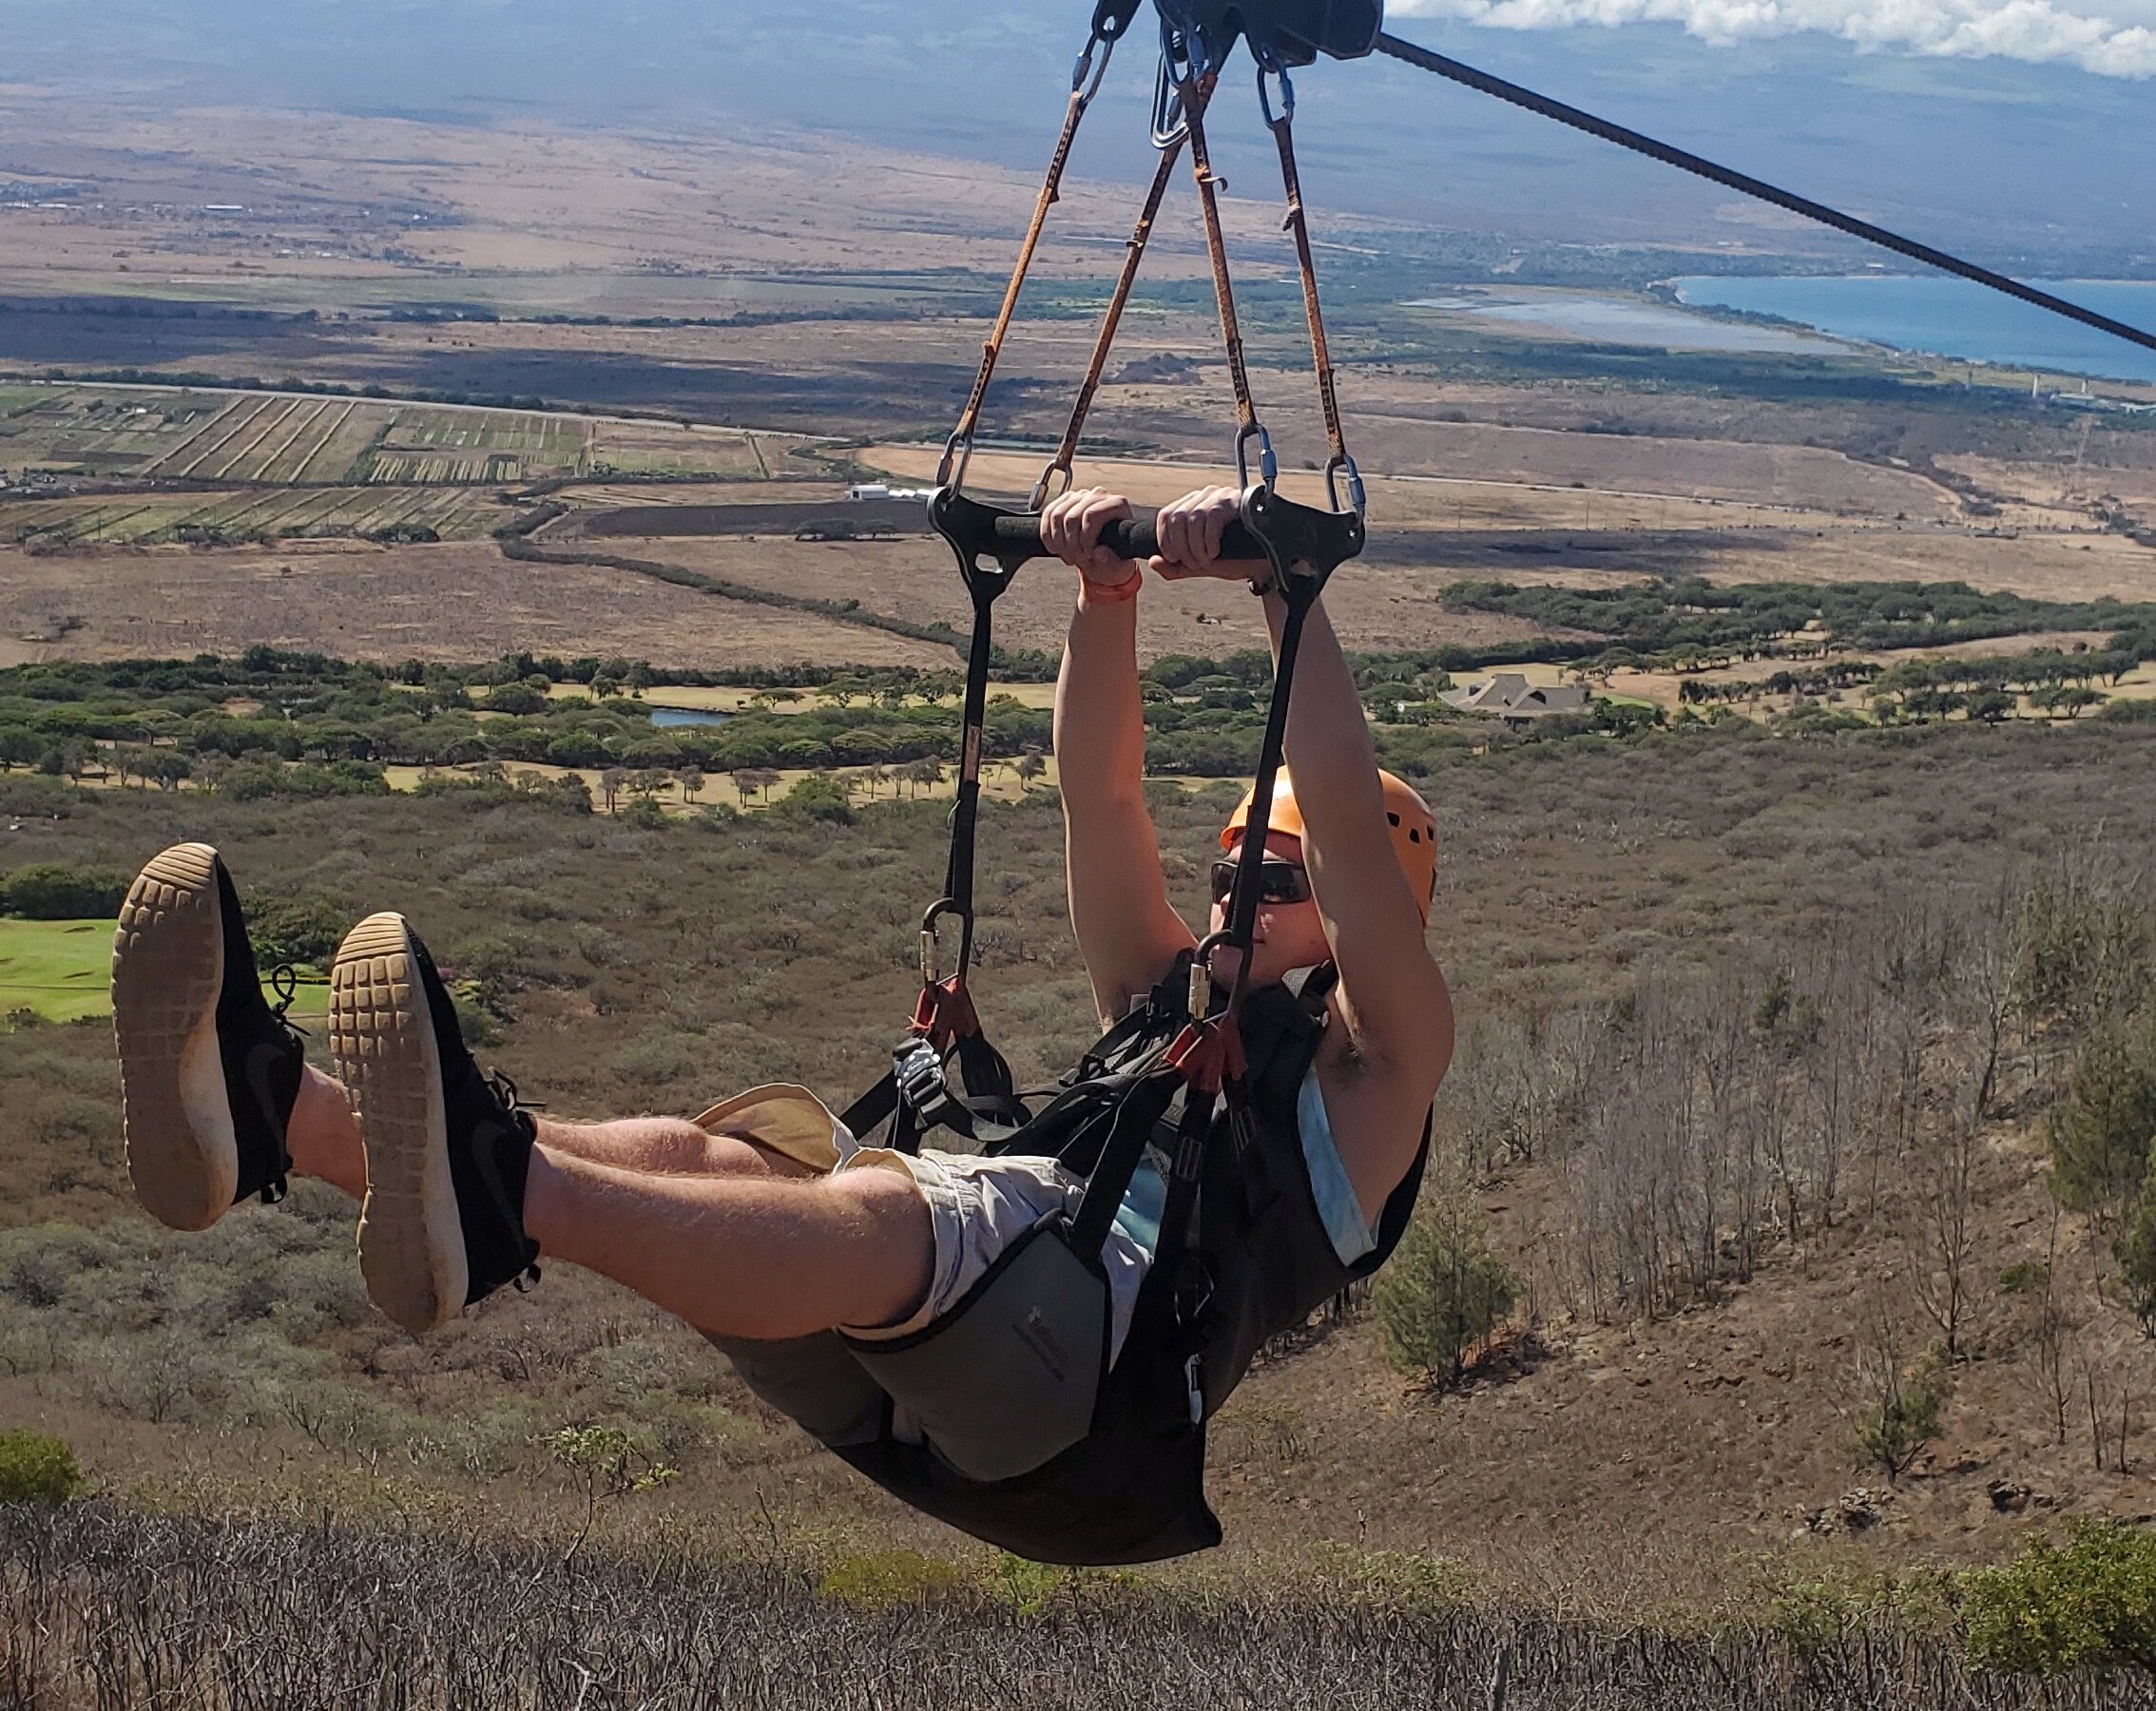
x: 1413, y: 837
x: 1395, y: 820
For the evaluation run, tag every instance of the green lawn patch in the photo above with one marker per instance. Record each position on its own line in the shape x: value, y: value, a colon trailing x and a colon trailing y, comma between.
x: 63, y: 971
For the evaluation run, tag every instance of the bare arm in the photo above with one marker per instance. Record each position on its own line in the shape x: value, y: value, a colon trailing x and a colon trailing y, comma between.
x: 1128, y: 931
x: 1392, y: 995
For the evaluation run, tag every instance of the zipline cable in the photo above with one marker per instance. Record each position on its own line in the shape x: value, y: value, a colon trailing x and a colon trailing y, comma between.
x: 1424, y: 58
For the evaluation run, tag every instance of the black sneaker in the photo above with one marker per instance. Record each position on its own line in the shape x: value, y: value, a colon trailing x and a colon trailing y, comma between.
x: 209, y: 1069
x: 448, y: 1148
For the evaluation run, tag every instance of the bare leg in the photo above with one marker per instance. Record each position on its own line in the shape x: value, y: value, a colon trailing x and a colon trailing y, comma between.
x: 854, y: 1248
x: 323, y: 1138
x: 695, y: 1223
x: 664, y: 1146
x: 325, y: 1144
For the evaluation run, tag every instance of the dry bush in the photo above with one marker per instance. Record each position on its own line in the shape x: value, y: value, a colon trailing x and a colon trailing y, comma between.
x: 102, y: 1606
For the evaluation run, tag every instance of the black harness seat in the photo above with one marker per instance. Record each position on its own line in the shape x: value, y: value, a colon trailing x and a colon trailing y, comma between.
x: 1026, y: 1434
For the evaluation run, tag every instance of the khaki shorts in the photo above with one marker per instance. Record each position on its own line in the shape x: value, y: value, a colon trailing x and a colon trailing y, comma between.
x: 977, y: 1206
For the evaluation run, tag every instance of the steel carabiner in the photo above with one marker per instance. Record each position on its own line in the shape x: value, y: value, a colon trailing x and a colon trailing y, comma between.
x: 1268, y: 464
x: 1171, y: 115
x: 1038, y: 500
x: 1085, y: 68
x: 1357, y: 500
x: 1286, y: 113
x: 958, y: 454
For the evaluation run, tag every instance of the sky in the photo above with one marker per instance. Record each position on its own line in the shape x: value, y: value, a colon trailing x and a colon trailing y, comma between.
x: 2108, y: 38
x: 2015, y: 126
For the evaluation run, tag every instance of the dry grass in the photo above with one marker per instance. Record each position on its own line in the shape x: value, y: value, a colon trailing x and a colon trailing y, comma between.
x: 1380, y: 605
x: 147, y: 1610
x: 380, y: 603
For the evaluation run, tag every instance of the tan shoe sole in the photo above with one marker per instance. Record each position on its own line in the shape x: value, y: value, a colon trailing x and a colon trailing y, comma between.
x: 167, y: 969
x: 382, y: 1037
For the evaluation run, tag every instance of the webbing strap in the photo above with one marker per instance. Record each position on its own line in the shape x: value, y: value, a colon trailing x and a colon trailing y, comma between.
x: 867, y: 1114
x: 1084, y: 84
x: 1066, y: 453
x: 1196, y: 96
x: 1110, y: 1178
x: 1282, y: 125
x: 966, y: 807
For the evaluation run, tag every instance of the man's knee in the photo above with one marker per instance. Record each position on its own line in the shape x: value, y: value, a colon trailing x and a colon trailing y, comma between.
x: 888, y: 1196
x: 904, y: 1240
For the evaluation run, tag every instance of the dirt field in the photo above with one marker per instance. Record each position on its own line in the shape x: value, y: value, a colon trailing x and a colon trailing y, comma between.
x: 437, y: 603
x: 1380, y: 605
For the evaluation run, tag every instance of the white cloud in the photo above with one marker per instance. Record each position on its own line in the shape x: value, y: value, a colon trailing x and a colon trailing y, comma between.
x: 2117, y: 40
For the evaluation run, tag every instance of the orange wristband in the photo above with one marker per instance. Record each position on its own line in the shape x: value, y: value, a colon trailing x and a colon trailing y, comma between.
x: 1110, y: 593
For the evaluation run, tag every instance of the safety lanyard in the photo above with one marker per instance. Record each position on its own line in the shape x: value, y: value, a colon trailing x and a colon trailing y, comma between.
x: 1302, y: 545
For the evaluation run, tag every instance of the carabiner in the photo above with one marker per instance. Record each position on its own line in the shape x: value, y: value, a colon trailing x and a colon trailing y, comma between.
x: 1085, y: 68
x: 932, y: 961
x: 1287, y: 114
x: 1357, y: 500
x: 1172, y: 116
x: 1038, y: 500
x: 958, y: 454
x: 1268, y: 465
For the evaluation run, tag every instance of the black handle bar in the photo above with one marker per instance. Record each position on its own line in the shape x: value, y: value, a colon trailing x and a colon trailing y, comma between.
x: 1016, y: 539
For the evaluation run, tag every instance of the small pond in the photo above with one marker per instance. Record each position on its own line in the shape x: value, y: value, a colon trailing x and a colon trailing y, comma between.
x: 667, y: 717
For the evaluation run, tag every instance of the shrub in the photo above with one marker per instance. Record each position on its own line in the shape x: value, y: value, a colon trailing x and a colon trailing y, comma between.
x: 2100, y: 1135
x: 296, y: 930
x: 1444, y: 1290
x: 819, y: 797
x: 37, y: 1468
x: 44, y: 799
x: 52, y: 891
x: 2136, y: 1253
x: 2090, y: 1606
x: 259, y: 780
x: 1901, y: 1415
x: 879, y: 1579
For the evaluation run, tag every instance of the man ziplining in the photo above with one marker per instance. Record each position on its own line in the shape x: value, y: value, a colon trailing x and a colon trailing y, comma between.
x: 825, y: 1266
x: 1028, y: 1339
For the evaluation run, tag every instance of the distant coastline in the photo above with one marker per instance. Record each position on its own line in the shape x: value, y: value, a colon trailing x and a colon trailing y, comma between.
x: 1944, y: 316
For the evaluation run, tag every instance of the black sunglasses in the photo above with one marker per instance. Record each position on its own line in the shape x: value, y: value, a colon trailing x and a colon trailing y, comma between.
x: 1278, y: 881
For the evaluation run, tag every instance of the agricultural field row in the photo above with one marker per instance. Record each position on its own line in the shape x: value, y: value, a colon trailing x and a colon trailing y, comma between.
x: 543, y: 438
x: 261, y: 438
x: 273, y: 439
x: 276, y: 514
x: 98, y: 430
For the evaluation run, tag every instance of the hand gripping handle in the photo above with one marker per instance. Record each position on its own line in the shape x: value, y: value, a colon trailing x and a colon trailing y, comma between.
x: 1134, y: 538
x: 1011, y: 538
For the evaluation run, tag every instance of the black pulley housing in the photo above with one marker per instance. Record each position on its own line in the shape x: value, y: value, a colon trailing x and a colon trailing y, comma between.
x: 1281, y: 33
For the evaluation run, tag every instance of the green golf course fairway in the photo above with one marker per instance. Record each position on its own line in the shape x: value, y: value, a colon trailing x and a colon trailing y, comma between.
x: 63, y: 971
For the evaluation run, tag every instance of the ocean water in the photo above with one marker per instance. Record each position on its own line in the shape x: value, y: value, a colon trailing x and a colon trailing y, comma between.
x: 1948, y: 316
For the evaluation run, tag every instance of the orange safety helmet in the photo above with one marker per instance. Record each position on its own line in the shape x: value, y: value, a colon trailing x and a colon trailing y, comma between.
x: 1414, y: 829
